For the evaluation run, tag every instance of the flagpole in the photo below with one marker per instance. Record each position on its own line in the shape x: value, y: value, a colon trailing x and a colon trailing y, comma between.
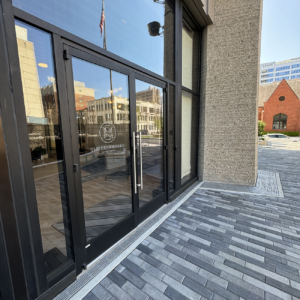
x: 110, y: 73
x: 104, y: 40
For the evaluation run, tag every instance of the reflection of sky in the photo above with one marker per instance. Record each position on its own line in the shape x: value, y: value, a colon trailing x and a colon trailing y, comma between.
x: 127, y: 32
x: 43, y: 51
x: 94, y: 76
x: 98, y: 78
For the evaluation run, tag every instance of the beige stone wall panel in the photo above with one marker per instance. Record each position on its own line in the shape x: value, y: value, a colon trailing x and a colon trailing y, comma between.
x: 228, y: 97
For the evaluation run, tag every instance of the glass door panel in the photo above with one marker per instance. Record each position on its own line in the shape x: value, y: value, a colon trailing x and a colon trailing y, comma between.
x: 103, y: 126
x: 45, y: 146
x: 150, y: 128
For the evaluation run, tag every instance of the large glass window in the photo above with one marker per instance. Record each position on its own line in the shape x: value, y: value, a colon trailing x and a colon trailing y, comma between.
x: 189, y: 136
x: 283, y: 68
x: 296, y: 71
x: 282, y: 73
x: 268, y: 75
x: 141, y: 31
x: 190, y: 57
x: 283, y: 77
x: 267, y: 80
x: 279, y: 121
x: 45, y: 140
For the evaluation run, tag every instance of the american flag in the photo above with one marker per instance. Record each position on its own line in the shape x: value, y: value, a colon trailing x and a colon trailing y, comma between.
x: 102, y: 21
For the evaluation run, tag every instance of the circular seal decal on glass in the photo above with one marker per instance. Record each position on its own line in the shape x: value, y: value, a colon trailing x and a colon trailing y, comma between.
x: 107, y: 132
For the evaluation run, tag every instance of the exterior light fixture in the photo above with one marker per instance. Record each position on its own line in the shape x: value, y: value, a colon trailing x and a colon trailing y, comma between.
x: 43, y: 65
x: 153, y: 28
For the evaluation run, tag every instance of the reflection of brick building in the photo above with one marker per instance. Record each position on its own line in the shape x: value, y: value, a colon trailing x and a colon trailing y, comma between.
x: 83, y: 94
x: 281, y: 112
x: 149, y: 110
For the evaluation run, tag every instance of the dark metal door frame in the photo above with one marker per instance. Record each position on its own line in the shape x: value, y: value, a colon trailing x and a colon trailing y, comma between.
x: 101, y: 243
x: 98, y: 245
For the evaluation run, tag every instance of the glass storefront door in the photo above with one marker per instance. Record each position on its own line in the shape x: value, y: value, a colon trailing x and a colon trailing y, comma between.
x: 150, y: 100
x: 118, y: 148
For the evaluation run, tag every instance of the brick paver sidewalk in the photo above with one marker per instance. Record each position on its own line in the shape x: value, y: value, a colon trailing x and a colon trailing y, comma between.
x: 219, y: 245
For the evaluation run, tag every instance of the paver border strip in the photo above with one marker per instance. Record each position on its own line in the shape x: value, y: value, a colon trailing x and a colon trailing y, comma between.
x: 104, y: 264
x: 279, y: 186
x: 241, y: 193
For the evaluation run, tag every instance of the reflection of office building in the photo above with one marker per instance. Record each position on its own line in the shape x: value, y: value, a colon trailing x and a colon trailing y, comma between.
x: 82, y: 94
x: 108, y: 109
x: 30, y: 79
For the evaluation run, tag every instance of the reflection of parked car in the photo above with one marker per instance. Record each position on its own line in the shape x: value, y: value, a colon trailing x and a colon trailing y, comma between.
x: 277, y: 136
x: 144, y: 132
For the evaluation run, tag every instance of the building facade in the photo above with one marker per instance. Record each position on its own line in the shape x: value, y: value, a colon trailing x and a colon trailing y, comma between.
x: 276, y: 71
x: 105, y: 120
x: 281, y: 112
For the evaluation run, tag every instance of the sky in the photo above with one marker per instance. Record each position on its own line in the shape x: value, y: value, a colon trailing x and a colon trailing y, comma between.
x: 280, y: 39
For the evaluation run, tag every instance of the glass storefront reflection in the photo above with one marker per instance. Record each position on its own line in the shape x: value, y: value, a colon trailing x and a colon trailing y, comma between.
x: 102, y: 112
x: 149, y: 120
x: 141, y: 31
x: 44, y: 133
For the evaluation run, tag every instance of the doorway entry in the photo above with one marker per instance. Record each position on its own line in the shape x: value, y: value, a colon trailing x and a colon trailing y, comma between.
x: 117, y: 122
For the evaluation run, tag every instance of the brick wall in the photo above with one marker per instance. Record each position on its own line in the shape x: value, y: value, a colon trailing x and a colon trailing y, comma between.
x: 260, y: 113
x: 266, y: 90
x: 290, y: 106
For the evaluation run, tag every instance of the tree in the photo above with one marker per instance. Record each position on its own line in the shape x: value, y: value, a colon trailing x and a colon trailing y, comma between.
x: 261, y: 128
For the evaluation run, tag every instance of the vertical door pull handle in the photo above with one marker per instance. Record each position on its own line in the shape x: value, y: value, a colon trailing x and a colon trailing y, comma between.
x: 134, y: 163
x: 141, y: 160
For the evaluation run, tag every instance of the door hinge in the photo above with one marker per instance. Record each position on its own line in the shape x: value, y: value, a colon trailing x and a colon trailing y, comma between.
x: 166, y: 147
x: 175, y: 148
x: 66, y: 55
x: 75, y: 168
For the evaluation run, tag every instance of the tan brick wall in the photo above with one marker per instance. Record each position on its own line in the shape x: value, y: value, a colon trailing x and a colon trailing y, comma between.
x: 229, y: 88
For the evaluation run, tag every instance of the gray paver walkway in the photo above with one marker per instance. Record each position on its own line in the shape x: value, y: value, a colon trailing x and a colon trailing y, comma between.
x: 219, y: 245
